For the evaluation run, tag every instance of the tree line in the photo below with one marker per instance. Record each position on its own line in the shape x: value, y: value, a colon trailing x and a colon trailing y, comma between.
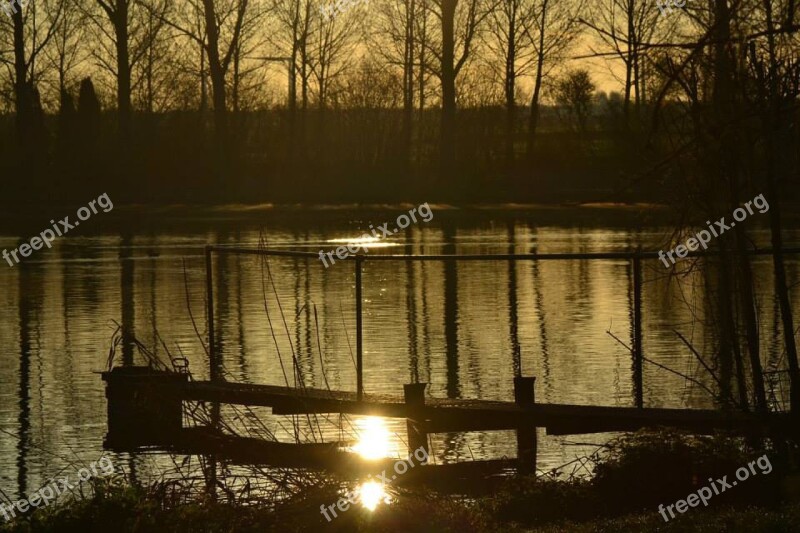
x: 432, y: 91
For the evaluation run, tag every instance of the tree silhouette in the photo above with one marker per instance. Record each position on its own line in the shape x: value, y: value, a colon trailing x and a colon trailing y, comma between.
x: 575, y: 91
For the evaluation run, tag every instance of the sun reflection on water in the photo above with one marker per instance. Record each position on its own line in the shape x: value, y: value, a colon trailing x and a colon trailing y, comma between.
x: 371, y: 494
x: 374, y: 440
x: 363, y: 242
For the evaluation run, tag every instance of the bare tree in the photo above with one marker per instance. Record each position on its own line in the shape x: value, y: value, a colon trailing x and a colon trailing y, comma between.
x: 245, y: 62
x: 460, y: 23
x: 575, y: 91
x: 371, y: 94
x: 189, y: 22
x: 776, y: 68
x: 422, y: 33
x: 552, y: 32
x: 118, y: 13
x: 290, y: 37
x: 732, y: 76
x: 296, y: 20
x: 398, y: 24
x: 220, y: 35
x: 65, y: 53
x: 29, y: 39
x: 219, y: 59
x: 624, y: 26
x: 334, y: 42
x: 512, y: 55
x: 154, y: 49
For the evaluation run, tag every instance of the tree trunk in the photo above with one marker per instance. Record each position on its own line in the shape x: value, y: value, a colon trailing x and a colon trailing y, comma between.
x: 511, y: 85
x: 725, y: 163
x: 203, y: 88
x: 217, y: 73
x: 423, y: 63
x: 751, y: 320
x: 21, y: 93
x: 236, y: 80
x: 150, y: 63
x: 292, y: 67
x: 629, y: 61
x: 776, y: 149
x: 408, y: 83
x: 123, y: 68
x: 533, y: 122
x: 448, y: 125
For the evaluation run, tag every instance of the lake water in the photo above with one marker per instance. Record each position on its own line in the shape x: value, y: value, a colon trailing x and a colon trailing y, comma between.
x: 466, y: 329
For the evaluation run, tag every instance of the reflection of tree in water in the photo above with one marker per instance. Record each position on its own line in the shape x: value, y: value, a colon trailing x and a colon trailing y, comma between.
x: 451, y: 313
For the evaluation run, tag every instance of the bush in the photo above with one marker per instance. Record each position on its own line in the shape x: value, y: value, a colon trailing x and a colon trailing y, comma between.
x: 644, y: 469
x: 535, y: 502
x: 636, y: 473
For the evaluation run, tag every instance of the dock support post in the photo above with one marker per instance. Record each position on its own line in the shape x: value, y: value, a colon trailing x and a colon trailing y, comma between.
x: 638, y: 381
x: 415, y: 425
x: 359, y: 334
x: 144, y: 405
x: 524, y: 396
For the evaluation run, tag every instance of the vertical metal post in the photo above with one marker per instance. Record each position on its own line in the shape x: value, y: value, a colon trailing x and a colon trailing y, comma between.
x: 637, y: 329
x: 359, y: 334
x: 215, y: 373
x: 212, y: 353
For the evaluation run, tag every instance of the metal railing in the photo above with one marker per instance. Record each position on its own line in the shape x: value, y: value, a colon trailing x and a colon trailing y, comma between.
x: 635, y: 257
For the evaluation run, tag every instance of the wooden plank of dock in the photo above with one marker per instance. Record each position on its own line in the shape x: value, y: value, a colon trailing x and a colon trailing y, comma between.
x: 473, y: 476
x: 445, y: 415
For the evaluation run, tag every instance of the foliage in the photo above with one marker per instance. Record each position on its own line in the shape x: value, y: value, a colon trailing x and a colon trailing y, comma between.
x: 636, y: 473
x: 575, y: 91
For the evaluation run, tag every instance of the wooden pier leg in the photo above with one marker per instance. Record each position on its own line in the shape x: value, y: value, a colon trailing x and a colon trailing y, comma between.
x: 417, y: 428
x: 526, y: 435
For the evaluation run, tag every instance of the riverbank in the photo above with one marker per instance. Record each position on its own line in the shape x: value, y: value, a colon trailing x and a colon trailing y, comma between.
x: 129, y: 510
x: 631, y: 480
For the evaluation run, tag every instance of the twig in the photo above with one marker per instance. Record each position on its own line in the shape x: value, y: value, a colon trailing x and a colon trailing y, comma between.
x: 319, y: 349
x: 347, y: 335
x: 710, y: 392
x: 664, y: 367
x: 189, y: 308
x: 699, y: 359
